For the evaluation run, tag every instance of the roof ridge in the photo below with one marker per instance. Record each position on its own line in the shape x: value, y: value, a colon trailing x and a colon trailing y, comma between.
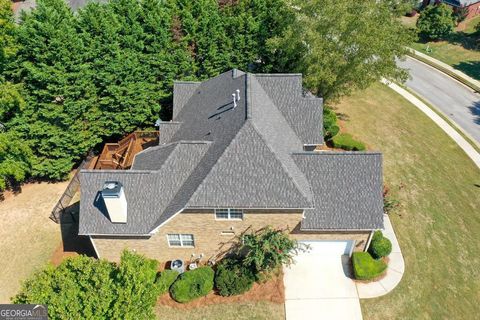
x: 216, y: 161
x: 278, y: 75
x: 285, y: 169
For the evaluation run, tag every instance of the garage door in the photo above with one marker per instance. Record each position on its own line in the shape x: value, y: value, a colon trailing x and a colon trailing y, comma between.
x: 330, y: 248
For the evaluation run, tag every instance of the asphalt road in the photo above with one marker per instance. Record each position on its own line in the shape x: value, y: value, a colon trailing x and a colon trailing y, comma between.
x: 458, y: 102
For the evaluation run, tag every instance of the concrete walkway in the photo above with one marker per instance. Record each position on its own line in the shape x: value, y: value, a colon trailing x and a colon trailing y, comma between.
x: 467, y: 147
x: 396, y: 268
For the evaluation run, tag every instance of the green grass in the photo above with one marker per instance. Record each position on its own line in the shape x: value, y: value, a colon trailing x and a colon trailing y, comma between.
x: 438, y: 221
x: 470, y: 25
x: 232, y: 311
x: 457, y: 52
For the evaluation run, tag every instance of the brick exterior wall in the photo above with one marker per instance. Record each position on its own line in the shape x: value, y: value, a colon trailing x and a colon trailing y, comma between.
x: 473, y: 10
x: 208, y: 235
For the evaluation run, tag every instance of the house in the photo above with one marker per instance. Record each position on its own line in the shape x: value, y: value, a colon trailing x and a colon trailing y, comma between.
x: 237, y: 156
x: 473, y: 6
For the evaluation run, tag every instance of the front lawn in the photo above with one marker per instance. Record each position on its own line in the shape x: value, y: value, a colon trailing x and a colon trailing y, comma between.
x: 438, y: 221
x: 457, y: 53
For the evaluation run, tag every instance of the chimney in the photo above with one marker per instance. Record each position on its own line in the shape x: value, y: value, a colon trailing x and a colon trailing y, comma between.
x: 115, y: 201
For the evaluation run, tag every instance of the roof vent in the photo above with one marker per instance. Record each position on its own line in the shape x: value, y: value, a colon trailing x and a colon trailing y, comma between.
x: 115, y: 201
x: 238, y: 94
x: 234, y: 100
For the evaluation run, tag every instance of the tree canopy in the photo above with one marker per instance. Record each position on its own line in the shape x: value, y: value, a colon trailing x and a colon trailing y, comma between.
x: 340, y: 45
x: 73, y: 80
x: 436, y: 21
x: 95, y: 289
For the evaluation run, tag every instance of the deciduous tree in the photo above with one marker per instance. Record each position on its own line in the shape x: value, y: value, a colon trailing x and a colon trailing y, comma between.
x: 340, y: 45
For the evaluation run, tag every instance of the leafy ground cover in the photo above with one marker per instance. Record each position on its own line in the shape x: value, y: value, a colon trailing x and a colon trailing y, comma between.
x: 437, y: 221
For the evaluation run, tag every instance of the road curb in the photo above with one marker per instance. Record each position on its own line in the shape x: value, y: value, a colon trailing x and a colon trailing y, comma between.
x: 446, y: 69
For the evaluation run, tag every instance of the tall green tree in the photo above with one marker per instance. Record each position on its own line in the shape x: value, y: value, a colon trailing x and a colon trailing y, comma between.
x: 15, y: 160
x: 95, y: 289
x: 8, y: 45
x: 340, y: 45
x: 249, y: 25
x: 436, y: 21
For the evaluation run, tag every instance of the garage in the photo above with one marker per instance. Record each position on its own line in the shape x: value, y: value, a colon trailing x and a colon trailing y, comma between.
x: 329, y: 248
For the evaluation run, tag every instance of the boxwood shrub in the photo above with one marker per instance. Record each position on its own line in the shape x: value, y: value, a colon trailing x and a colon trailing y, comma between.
x: 165, y: 279
x: 346, y: 142
x: 365, y: 267
x: 232, y: 278
x: 192, y: 284
x: 380, y: 246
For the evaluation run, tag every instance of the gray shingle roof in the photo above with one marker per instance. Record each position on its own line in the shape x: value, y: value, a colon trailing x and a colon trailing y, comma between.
x: 347, y: 187
x: 306, y: 117
x: 148, y: 193
x: 218, y: 155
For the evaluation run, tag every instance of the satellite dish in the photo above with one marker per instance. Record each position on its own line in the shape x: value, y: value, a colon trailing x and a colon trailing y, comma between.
x: 157, y: 123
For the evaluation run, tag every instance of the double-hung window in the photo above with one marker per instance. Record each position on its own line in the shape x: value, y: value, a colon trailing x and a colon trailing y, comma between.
x: 228, y: 214
x: 180, y: 240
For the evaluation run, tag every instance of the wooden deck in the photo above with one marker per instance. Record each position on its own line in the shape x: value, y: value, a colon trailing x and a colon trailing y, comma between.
x: 119, y: 156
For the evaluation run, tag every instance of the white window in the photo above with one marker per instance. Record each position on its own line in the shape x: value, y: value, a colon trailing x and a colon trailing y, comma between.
x: 180, y: 240
x: 228, y: 214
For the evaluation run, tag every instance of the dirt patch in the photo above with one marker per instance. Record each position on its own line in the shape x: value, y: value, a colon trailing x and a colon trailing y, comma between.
x: 28, y: 235
x: 270, y: 291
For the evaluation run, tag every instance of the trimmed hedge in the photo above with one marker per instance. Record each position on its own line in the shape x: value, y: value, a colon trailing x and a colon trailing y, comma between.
x: 165, y: 279
x: 380, y: 246
x: 192, y: 284
x: 330, y: 126
x: 346, y: 142
x: 232, y: 278
x: 365, y: 267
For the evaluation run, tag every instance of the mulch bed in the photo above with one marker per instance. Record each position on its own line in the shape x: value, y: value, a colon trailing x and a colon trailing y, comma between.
x: 271, y: 291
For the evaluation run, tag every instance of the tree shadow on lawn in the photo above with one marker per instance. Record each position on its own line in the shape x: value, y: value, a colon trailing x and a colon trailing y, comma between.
x: 471, y: 68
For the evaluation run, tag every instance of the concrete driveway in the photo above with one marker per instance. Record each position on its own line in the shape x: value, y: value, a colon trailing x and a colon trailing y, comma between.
x: 455, y: 100
x: 318, y: 286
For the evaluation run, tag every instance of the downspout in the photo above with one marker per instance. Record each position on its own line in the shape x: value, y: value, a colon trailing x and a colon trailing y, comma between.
x: 94, y: 247
x: 369, y: 240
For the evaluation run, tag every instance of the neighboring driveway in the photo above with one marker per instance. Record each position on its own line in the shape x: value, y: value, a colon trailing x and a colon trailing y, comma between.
x: 319, y: 285
x: 455, y: 100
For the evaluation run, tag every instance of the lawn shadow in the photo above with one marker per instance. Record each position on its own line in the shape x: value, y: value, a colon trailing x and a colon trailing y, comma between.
x: 475, y: 110
x: 71, y: 241
x: 471, y: 68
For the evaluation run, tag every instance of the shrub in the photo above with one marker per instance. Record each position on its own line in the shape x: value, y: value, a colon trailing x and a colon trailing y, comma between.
x: 436, y: 21
x: 95, y: 289
x: 165, y: 279
x: 346, y: 142
x: 330, y: 126
x: 267, y: 249
x: 365, y: 267
x: 232, y: 278
x: 379, y: 246
x: 192, y: 284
